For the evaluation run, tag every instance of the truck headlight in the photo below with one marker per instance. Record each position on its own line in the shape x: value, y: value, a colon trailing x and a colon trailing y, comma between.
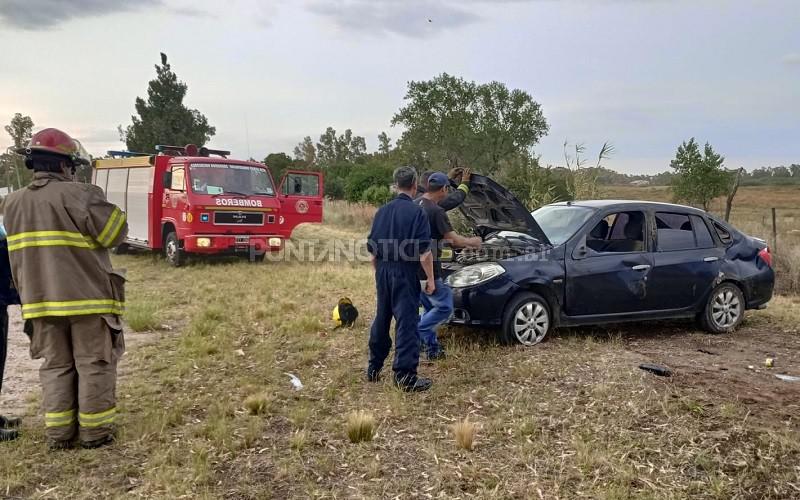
x: 204, y: 242
x: 274, y: 242
x: 475, y: 274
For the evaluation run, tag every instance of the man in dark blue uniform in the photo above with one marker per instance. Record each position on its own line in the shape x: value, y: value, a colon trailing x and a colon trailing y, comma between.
x: 8, y: 296
x: 399, y: 242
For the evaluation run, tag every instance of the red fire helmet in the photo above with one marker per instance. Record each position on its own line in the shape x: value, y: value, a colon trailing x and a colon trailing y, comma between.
x: 52, y: 140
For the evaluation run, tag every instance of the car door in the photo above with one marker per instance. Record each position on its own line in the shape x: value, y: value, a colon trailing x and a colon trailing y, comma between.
x: 686, y: 261
x: 607, y: 272
x: 301, y: 198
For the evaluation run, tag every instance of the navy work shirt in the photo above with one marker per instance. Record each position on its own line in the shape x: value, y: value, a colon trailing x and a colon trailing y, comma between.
x: 8, y: 294
x: 440, y: 225
x: 400, y: 232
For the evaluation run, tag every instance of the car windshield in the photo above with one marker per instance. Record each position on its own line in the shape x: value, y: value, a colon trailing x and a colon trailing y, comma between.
x: 222, y: 178
x: 560, y: 222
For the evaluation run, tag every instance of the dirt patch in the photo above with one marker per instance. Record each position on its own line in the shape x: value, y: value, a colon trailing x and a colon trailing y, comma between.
x: 22, y: 372
x: 21, y: 380
x: 725, y: 367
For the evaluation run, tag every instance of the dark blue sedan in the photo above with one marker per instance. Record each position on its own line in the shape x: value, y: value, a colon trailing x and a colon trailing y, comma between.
x: 603, y: 261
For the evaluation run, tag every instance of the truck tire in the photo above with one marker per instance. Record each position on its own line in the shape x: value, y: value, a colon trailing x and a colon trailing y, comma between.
x: 527, y: 320
x: 173, y: 252
x: 120, y: 249
x: 724, y: 310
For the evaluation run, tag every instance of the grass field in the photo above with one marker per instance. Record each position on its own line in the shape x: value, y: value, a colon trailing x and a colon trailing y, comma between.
x: 207, y: 410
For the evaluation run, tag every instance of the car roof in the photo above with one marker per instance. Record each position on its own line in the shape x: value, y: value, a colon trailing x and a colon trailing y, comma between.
x: 630, y: 204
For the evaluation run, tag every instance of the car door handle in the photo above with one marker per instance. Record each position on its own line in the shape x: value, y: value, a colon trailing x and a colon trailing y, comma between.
x: 641, y: 267
x: 711, y: 259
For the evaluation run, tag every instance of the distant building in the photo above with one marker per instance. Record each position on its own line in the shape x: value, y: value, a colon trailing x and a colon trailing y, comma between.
x: 640, y: 183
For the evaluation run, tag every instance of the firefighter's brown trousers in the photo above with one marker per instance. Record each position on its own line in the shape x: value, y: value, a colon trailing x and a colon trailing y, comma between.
x: 79, y: 373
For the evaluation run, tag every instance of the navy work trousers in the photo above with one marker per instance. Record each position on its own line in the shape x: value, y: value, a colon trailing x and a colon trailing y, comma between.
x: 398, y: 296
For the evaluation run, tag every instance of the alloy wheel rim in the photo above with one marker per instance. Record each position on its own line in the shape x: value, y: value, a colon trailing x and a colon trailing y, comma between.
x: 726, y: 309
x: 530, y: 323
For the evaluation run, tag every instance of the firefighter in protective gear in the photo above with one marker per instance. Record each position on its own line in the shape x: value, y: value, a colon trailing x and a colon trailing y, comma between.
x: 59, y: 233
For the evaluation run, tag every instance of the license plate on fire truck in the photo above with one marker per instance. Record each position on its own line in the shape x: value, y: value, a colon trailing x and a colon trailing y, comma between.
x: 242, y: 241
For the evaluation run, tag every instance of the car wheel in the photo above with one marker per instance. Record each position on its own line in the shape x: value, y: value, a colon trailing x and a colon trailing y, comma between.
x: 172, y: 251
x: 724, y: 310
x: 527, y: 320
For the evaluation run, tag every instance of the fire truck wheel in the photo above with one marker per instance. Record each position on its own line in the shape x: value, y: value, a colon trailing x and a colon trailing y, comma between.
x: 257, y: 258
x: 172, y: 250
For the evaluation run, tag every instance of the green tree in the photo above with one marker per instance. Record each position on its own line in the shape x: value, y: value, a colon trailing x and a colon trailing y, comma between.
x: 376, y: 195
x: 20, y: 130
x: 306, y: 152
x: 450, y: 120
x: 531, y: 183
x: 163, y: 118
x: 279, y: 163
x: 700, y: 177
x: 384, y: 144
x: 362, y: 177
x: 347, y: 147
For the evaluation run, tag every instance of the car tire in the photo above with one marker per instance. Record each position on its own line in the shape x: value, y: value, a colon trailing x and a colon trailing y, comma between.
x: 724, y: 309
x: 173, y: 252
x: 527, y: 320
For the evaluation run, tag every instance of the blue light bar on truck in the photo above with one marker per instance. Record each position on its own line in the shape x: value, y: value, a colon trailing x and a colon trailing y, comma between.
x: 124, y: 154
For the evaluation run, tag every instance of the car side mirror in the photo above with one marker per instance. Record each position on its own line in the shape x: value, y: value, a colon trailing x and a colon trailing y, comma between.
x: 581, y: 250
x: 167, y: 181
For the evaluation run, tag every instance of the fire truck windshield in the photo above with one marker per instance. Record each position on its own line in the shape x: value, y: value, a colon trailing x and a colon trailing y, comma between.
x: 221, y: 178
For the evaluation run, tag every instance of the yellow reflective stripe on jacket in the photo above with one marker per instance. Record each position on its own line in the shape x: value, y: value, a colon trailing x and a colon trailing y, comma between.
x: 36, y: 234
x: 463, y: 187
x: 112, y: 228
x: 59, y: 419
x: 97, y: 419
x: 49, y: 238
x: 72, y: 308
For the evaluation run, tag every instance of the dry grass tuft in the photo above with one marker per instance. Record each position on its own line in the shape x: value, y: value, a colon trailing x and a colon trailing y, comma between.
x: 257, y: 404
x: 360, y: 426
x: 298, y: 439
x: 464, y: 432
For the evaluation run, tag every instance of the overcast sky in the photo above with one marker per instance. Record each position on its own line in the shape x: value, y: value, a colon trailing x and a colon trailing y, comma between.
x: 642, y: 74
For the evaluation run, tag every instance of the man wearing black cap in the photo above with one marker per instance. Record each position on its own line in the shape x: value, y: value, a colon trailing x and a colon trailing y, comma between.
x: 438, y: 305
x: 459, y: 178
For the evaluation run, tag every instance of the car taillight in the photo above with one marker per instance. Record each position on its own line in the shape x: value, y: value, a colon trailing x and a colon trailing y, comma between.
x: 766, y: 256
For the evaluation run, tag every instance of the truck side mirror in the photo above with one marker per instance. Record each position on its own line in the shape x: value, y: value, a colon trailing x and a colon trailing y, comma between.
x: 167, y: 180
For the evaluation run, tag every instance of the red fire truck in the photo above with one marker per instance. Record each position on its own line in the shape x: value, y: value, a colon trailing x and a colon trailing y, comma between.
x: 190, y: 200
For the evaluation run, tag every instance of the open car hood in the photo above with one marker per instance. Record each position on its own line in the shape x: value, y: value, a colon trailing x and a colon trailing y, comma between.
x: 490, y: 207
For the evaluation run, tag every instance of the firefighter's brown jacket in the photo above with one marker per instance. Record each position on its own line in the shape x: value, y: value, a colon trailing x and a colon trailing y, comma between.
x: 59, y: 233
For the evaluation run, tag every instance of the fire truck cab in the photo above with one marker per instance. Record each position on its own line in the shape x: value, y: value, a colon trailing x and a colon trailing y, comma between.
x: 185, y: 201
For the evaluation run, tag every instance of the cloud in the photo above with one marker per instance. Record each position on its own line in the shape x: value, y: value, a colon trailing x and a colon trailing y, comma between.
x: 44, y: 14
x: 792, y: 59
x: 415, y: 18
x: 190, y: 12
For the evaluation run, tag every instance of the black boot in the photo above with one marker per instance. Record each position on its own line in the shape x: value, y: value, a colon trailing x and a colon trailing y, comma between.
x: 8, y: 434
x: 58, y: 444
x: 97, y: 443
x: 415, y: 384
x: 10, y: 422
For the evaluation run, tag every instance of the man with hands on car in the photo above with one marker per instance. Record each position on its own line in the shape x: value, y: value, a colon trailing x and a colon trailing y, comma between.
x: 439, y: 304
x: 458, y: 178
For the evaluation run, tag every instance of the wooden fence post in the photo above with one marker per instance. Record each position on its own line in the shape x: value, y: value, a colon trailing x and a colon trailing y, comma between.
x: 774, y: 232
